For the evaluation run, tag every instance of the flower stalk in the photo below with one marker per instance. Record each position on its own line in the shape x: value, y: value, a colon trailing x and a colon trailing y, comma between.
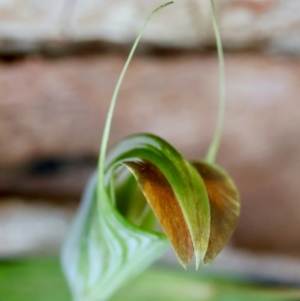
x: 215, y: 144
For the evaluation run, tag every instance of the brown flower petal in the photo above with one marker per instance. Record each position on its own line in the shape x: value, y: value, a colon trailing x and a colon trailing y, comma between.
x: 224, y: 206
x: 165, y: 206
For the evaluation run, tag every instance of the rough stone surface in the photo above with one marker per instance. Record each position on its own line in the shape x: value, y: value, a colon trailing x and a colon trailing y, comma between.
x: 56, y: 108
x: 28, y: 25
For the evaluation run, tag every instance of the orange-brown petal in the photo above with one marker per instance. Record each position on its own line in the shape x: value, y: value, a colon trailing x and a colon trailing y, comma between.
x: 165, y: 206
x: 224, y: 206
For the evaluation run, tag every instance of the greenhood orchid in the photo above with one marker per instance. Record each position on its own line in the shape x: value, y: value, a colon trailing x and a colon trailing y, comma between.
x: 144, y: 196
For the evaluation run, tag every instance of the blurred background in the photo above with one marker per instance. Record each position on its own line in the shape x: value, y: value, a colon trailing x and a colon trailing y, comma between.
x: 59, y: 62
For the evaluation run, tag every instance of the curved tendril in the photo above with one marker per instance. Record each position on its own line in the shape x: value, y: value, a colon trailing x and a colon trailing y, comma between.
x: 106, y: 131
x: 214, y: 146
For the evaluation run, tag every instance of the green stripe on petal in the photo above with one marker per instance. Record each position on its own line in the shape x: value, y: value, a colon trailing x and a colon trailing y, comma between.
x: 104, y: 251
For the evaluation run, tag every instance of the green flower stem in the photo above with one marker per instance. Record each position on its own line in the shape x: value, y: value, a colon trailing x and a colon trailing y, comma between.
x: 214, y: 146
x: 106, y: 131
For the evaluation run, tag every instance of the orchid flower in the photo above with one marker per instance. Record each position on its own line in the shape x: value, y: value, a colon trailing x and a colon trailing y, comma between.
x: 145, y: 196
